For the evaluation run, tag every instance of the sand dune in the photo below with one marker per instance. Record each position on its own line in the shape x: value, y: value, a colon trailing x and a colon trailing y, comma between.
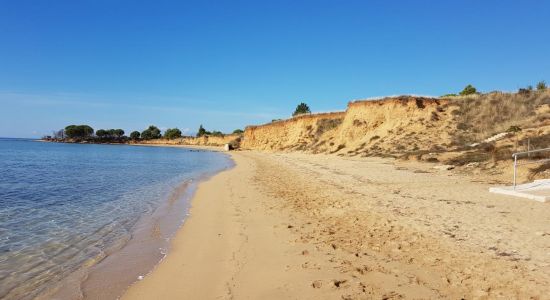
x: 298, y: 226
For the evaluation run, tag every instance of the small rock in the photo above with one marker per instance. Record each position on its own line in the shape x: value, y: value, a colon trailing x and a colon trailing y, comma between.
x: 317, y: 284
x: 305, y: 252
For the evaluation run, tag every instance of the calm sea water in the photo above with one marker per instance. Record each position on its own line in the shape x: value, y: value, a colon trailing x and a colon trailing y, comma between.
x: 63, y: 206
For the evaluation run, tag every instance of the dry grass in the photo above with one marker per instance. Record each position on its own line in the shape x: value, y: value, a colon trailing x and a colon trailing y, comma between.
x: 537, y: 171
x: 325, y: 125
x: 481, y: 116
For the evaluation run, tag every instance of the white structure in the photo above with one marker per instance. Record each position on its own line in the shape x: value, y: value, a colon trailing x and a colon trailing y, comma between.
x: 539, y: 190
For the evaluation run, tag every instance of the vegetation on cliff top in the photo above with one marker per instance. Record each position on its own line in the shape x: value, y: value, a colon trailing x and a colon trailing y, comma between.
x: 301, y: 109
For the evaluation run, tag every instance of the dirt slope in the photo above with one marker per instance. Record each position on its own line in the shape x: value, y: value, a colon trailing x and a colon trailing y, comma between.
x: 389, y: 125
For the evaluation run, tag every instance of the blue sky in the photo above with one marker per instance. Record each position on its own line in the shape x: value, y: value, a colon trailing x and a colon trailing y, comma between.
x: 227, y: 64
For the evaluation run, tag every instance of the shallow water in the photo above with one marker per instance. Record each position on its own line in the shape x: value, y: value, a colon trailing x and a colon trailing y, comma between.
x: 65, y: 207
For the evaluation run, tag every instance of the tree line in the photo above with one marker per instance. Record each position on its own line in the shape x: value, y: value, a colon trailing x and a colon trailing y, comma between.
x: 81, y: 133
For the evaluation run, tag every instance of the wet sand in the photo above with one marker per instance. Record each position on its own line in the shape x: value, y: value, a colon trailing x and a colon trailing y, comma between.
x: 297, y: 226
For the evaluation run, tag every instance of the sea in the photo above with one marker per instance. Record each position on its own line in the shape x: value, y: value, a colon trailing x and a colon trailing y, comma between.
x: 85, y: 221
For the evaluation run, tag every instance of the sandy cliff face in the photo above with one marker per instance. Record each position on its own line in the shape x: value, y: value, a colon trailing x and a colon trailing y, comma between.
x: 390, y: 125
x: 211, y: 140
x: 197, y: 141
x: 297, y: 133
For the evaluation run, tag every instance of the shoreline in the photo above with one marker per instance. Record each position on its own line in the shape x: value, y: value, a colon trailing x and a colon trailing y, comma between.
x: 197, y: 270
x: 280, y: 226
x: 146, y: 247
x: 166, y: 143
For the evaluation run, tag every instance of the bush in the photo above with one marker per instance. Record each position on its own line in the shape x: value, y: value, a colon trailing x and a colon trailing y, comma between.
x: 468, y: 90
x: 172, y: 133
x: 541, y: 86
x: 238, y: 131
x: 514, y: 129
x: 524, y: 92
x: 302, y: 108
x: 216, y: 133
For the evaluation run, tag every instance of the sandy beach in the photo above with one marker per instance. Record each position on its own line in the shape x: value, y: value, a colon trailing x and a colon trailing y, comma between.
x: 299, y: 226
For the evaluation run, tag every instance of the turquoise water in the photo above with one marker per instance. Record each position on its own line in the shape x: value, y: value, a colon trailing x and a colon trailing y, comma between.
x: 64, y: 205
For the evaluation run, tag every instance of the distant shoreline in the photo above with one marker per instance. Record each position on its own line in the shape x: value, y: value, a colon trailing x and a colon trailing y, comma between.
x: 205, y: 142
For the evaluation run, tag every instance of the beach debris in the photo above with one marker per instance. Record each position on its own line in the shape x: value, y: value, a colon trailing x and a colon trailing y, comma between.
x: 140, y: 277
x: 444, y: 167
x: 338, y: 283
x: 317, y: 284
x: 305, y: 252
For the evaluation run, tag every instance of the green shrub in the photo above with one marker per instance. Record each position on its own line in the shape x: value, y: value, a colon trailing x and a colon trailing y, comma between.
x: 468, y: 90
x: 217, y: 133
x: 541, y: 86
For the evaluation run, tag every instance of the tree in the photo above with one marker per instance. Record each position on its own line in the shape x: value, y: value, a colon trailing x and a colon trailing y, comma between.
x: 172, y: 133
x: 238, y: 131
x: 541, y: 86
x: 302, y: 108
x: 151, y: 133
x: 468, y: 90
x: 111, y: 132
x: 135, y: 135
x: 118, y: 133
x: 201, y: 131
x: 78, y: 131
x: 101, y: 133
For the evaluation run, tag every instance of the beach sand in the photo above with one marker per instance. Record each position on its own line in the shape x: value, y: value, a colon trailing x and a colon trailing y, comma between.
x: 298, y: 226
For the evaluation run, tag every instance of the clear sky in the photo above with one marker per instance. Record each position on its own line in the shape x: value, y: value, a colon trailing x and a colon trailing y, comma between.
x: 227, y: 64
